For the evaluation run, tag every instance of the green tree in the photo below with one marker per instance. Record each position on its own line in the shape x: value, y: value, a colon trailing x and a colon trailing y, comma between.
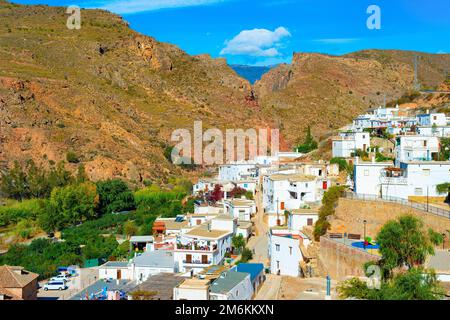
x: 70, y: 205
x: 414, y: 284
x: 309, y: 144
x: 130, y: 228
x: 403, y: 242
x: 115, y: 196
x: 247, y: 255
x: 238, y: 242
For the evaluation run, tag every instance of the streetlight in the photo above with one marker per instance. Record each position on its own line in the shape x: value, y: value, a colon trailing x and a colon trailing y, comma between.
x: 364, y: 240
x: 443, y: 241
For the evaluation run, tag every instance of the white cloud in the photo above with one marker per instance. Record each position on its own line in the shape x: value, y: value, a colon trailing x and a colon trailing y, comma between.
x: 336, y: 40
x: 256, y: 42
x: 135, y: 6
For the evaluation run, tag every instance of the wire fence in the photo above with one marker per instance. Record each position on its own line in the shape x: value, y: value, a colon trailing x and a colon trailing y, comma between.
x: 426, y: 207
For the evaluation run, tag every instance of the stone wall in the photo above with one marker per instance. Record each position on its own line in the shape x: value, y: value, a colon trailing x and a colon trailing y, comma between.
x: 350, y: 215
x: 341, y: 261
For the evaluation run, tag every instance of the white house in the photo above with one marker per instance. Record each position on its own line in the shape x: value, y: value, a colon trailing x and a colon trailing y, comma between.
x: 416, y: 148
x: 115, y: 270
x: 300, y: 218
x: 232, y: 285
x: 237, y: 171
x: 288, y: 191
x: 432, y: 119
x: 367, y: 177
x: 201, y: 247
x: 141, y: 267
x: 415, y: 179
x: 241, y: 209
x: 285, y: 251
x: 224, y: 223
x: 151, y: 263
x: 437, y: 131
x: 346, y: 143
x: 244, y: 228
x: 192, y: 289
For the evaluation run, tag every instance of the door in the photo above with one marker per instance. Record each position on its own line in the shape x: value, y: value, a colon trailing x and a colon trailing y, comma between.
x: 199, y: 222
x: 204, y: 259
x: 325, y: 185
x: 119, y: 274
x: 282, y: 205
x: 189, y: 258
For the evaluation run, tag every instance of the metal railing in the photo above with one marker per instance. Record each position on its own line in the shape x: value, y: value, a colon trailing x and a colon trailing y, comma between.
x: 429, y: 208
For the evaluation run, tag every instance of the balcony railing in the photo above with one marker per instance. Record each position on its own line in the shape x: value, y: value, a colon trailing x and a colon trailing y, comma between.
x: 195, y: 247
x: 394, y: 180
x: 197, y: 262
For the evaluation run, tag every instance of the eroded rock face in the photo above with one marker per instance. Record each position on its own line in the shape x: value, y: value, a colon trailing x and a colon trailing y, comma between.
x: 150, y: 51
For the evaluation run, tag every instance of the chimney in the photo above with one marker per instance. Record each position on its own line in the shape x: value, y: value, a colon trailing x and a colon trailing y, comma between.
x: 373, y: 158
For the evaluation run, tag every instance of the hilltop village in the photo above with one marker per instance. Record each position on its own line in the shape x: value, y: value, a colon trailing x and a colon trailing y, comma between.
x: 259, y: 229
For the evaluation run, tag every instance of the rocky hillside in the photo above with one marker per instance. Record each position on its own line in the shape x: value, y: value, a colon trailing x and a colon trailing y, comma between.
x: 113, y: 96
x: 328, y: 91
x: 105, y: 92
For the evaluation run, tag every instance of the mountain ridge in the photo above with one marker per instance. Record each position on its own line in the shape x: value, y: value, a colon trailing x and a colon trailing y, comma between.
x: 113, y: 96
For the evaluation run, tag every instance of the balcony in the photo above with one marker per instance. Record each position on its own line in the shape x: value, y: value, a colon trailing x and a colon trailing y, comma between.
x: 196, y: 247
x: 394, y: 180
x: 197, y: 262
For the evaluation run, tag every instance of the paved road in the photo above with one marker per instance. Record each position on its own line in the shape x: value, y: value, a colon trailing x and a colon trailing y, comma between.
x: 270, y: 288
x: 85, y: 278
x: 260, y: 242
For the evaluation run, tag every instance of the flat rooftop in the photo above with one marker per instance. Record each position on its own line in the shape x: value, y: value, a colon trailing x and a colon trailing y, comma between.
x: 292, y: 177
x: 203, y: 232
x: 162, y: 284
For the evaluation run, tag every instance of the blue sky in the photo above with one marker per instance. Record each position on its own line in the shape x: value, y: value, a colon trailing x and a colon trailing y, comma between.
x: 265, y: 32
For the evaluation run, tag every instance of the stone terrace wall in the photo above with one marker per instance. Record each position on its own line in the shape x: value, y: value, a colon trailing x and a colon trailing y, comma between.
x: 350, y: 215
x: 341, y: 261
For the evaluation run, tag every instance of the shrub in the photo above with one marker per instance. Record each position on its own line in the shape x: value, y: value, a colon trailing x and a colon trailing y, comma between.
x: 72, y: 157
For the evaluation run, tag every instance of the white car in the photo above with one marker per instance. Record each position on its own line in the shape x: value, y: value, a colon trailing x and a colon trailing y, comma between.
x: 55, y: 285
x: 60, y: 277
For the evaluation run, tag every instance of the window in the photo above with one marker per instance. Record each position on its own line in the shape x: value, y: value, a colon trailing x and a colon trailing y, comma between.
x: 424, y: 143
x: 418, y: 191
x: 290, y: 250
x: 309, y: 222
x: 366, y: 172
x: 278, y: 264
x: 277, y: 247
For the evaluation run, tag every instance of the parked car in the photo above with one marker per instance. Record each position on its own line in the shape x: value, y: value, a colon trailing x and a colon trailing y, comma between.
x: 60, y: 277
x: 55, y: 285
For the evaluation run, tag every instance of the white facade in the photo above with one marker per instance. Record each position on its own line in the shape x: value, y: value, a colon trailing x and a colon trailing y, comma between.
x: 348, y: 142
x: 284, y: 251
x: 438, y: 131
x: 192, y: 289
x: 241, y: 209
x: 241, y: 288
x: 416, y: 179
x: 237, y: 171
x: 430, y: 119
x: 415, y: 148
x: 367, y: 177
x: 298, y: 219
x: 201, y: 247
x: 287, y: 192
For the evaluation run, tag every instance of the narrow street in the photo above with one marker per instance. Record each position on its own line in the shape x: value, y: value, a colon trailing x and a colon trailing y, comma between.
x: 259, y: 243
